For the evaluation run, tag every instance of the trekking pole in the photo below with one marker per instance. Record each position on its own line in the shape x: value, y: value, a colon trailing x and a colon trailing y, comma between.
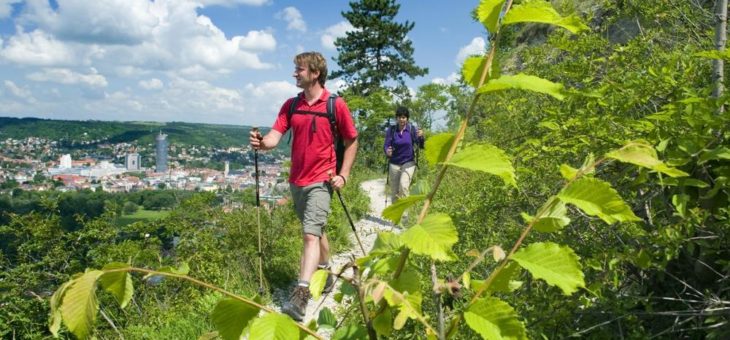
x: 258, y: 212
x: 352, y: 225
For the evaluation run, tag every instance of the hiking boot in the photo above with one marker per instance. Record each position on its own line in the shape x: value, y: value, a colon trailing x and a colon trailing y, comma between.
x: 329, y: 284
x: 296, y: 307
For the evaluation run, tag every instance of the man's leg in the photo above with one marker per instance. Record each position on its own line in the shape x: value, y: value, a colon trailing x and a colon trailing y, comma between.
x: 406, y: 176
x: 394, y: 178
x: 310, y: 257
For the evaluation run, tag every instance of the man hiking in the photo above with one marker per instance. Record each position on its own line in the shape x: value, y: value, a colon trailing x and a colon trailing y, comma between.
x: 401, y: 141
x: 314, y: 164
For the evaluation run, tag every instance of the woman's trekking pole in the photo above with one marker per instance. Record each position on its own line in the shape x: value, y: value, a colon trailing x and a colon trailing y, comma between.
x: 258, y: 213
x: 352, y: 225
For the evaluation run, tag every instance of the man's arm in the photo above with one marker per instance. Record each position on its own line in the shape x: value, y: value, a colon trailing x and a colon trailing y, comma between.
x: 268, y: 142
x: 347, y: 161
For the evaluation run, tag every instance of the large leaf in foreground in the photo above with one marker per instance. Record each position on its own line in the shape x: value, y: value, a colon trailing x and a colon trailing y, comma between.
x: 486, y: 158
x: 474, y: 67
x: 557, y: 265
x: 644, y: 155
x: 79, y: 306
x: 119, y: 284
x: 274, y: 327
x: 394, y: 212
x: 56, y: 317
x: 437, y: 147
x: 524, y: 82
x: 433, y: 237
x: 542, y: 12
x: 488, y: 14
x: 553, y: 220
x: 231, y: 317
x: 597, y: 198
x: 493, y: 318
x: 317, y: 282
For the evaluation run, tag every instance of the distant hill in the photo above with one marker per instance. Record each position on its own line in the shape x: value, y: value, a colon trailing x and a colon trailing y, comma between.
x: 94, y: 131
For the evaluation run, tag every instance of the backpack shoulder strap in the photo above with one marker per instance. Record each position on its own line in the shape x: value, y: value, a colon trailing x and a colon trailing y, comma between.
x: 331, y: 113
x: 292, y: 106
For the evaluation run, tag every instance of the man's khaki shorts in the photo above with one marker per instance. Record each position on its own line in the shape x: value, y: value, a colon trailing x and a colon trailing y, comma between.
x: 312, y: 204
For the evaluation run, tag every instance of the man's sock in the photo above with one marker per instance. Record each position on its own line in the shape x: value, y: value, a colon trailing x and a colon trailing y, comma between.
x: 302, y: 283
x: 325, y: 265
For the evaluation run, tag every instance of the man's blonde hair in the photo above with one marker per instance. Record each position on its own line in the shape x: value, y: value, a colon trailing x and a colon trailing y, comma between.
x: 315, y: 62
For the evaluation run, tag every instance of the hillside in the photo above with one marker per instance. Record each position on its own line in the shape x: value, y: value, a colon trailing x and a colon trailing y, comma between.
x: 93, y: 132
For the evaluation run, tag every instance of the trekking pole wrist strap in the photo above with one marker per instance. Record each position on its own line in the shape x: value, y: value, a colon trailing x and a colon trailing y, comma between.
x: 343, y: 179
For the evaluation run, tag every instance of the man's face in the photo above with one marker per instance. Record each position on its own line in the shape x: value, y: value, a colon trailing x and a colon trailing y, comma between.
x: 303, y: 76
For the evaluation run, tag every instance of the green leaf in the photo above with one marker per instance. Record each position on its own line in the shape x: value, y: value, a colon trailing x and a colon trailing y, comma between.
x: 383, y: 322
x: 504, y: 281
x: 568, y: 172
x: 119, y: 284
x: 715, y: 154
x: 433, y: 237
x: 597, y: 198
x: 79, y: 306
x: 183, y: 269
x: 316, y: 283
x: 56, y: 317
x: 493, y: 318
x: 326, y: 319
x: 555, y: 219
x: 351, y: 332
x: 437, y: 147
x: 274, y: 326
x: 386, y: 243
x: 644, y: 155
x: 714, y: 54
x: 488, y: 14
x: 542, y: 12
x: 231, y: 317
x: 473, y: 68
x: 486, y: 158
x: 472, y: 71
x: 394, y: 212
x: 524, y: 82
x: 557, y: 265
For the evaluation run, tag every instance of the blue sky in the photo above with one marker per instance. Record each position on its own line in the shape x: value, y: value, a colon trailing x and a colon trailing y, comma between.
x: 203, y: 61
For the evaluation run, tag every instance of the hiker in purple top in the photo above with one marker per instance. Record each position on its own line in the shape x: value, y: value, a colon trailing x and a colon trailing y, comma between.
x: 400, y: 143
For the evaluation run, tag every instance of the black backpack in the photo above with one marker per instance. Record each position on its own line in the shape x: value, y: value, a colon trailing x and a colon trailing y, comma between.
x: 337, y: 142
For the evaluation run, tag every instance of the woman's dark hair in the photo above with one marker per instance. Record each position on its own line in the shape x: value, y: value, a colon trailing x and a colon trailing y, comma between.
x: 402, y: 111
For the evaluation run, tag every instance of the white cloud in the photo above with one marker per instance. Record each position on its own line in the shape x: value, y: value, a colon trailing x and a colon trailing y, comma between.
x: 151, y: 84
x: 333, y: 32
x: 477, y: 46
x: 16, y: 90
x: 257, y: 40
x: 6, y: 8
x: 66, y: 76
x: 294, y: 19
x: 36, y: 48
x: 451, y: 79
x: 230, y: 3
x: 127, y: 22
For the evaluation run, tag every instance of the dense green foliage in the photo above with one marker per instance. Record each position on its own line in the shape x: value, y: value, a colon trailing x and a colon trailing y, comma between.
x: 92, y: 133
x: 39, y: 253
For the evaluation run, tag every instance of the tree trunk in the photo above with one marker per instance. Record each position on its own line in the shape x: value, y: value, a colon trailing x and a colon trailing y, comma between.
x: 718, y: 66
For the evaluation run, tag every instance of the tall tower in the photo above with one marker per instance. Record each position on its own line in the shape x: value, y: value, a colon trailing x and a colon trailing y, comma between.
x: 161, y: 153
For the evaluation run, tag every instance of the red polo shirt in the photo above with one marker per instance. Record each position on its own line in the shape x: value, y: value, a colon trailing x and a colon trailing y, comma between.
x: 312, y: 150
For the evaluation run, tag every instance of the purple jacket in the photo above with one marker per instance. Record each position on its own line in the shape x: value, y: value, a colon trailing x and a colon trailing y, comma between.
x: 402, y: 143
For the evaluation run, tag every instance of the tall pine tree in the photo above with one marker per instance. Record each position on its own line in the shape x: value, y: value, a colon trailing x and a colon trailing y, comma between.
x: 377, y: 51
